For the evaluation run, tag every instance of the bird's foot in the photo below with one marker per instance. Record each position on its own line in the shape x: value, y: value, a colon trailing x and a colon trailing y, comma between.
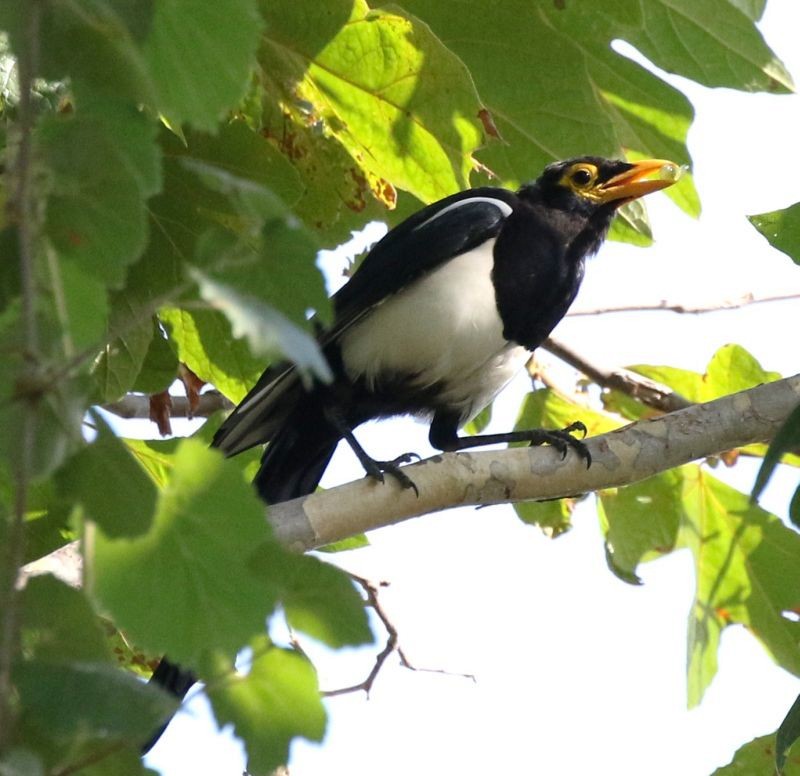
x: 376, y: 470
x: 563, y: 440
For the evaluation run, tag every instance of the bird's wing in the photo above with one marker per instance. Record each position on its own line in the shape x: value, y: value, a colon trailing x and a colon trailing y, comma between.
x: 415, y: 247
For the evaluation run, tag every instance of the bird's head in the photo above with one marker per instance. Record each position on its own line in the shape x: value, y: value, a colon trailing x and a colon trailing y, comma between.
x: 591, y: 184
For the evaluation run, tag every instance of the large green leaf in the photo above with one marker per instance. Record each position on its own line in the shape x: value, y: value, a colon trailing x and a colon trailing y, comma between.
x: 402, y: 103
x: 748, y: 572
x: 103, y: 163
x: 605, y: 102
x: 200, y: 55
x: 185, y: 586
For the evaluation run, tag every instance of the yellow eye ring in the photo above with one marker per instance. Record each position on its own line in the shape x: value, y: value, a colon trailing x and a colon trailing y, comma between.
x: 582, y: 176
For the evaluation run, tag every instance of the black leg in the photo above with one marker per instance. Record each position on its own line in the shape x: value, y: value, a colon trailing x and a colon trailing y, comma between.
x: 373, y: 468
x: 444, y: 435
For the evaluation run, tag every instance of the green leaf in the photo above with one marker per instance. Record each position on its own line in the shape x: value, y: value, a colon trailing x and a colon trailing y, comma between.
x: 546, y: 408
x: 782, y: 229
x: 268, y: 333
x: 246, y: 155
x: 553, y: 517
x: 185, y: 586
x: 275, y: 702
x: 113, y: 488
x: 59, y: 624
x: 116, y: 370
x: 748, y: 571
x: 362, y: 70
x: 85, y: 304
x: 74, y: 702
x: 104, y: 163
x: 201, y: 68
x: 266, y: 252
x: 641, y: 521
x: 756, y: 758
x: 607, y: 102
x: 785, y: 440
x: 109, y: 29
x: 788, y: 733
x: 160, y: 366
x: 731, y: 369
x: 204, y: 342
x: 319, y: 599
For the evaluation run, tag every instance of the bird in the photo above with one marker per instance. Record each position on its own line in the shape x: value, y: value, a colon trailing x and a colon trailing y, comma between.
x: 437, y: 319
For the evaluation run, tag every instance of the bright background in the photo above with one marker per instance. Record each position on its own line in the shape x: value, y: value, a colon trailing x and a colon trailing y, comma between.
x: 575, y: 672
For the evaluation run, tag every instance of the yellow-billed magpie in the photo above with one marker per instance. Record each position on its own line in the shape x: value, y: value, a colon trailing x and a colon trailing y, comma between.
x: 438, y: 318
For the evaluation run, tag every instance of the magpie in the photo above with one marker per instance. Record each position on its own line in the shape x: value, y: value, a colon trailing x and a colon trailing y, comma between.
x: 438, y: 318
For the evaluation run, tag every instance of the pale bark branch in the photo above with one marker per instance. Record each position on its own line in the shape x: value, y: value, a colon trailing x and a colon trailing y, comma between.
x: 137, y: 405
x: 621, y: 457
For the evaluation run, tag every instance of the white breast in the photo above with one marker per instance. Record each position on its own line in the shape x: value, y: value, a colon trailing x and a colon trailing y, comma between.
x: 444, y: 330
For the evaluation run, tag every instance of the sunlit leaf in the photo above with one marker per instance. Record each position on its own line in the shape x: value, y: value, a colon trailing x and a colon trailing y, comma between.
x: 276, y: 701
x: 782, y: 229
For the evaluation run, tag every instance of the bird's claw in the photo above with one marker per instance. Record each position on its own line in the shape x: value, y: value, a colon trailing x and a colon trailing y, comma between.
x: 562, y: 440
x: 377, y: 469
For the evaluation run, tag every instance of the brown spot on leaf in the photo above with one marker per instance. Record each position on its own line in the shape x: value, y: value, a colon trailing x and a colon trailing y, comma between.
x: 489, y: 127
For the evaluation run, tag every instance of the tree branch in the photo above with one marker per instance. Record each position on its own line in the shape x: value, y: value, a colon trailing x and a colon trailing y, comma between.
x: 21, y: 211
x: 638, y: 387
x: 621, y: 457
x: 134, y: 405
x: 675, y: 307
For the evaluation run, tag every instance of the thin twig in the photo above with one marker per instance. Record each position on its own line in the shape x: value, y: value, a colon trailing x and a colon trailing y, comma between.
x: 675, y: 307
x: 21, y: 212
x: 372, y: 591
x: 642, y: 389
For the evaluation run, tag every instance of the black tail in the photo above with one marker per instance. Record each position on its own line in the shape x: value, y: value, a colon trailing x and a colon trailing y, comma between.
x: 297, y: 456
x: 176, y: 681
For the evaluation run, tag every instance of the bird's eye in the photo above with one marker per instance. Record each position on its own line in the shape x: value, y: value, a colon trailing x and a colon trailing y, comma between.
x: 581, y: 177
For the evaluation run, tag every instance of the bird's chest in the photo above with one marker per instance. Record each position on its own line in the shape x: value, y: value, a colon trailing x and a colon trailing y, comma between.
x: 536, y: 277
x: 443, y: 331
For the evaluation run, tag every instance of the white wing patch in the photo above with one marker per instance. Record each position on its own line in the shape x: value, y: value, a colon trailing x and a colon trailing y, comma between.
x: 503, y: 207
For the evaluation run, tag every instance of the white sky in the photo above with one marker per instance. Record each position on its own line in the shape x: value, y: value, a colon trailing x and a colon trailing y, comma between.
x: 577, y: 673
